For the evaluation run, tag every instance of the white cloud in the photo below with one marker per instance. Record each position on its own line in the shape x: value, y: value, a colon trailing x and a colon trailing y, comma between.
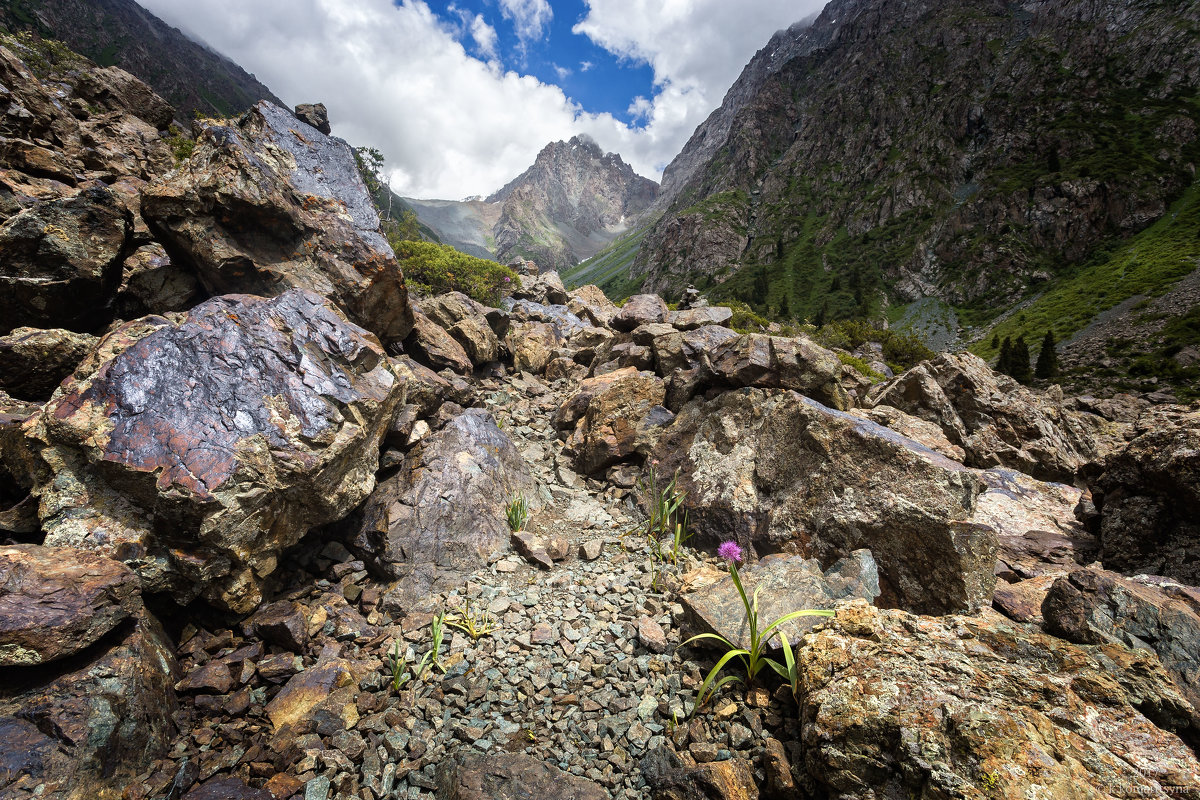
x: 584, y: 66
x: 529, y: 17
x: 562, y: 72
x: 397, y: 77
x: 485, y: 37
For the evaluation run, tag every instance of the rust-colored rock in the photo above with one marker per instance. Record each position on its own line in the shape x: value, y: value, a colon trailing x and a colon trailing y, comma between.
x: 511, y: 776
x: 615, y: 415
x: 432, y: 346
x: 265, y: 205
x: 56, y: 601
x: 674, y: 776
x: 224, y: 437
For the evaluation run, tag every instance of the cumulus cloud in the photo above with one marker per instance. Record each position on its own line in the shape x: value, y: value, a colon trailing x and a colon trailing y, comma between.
x: 529, y: 17
x: 398, y: 77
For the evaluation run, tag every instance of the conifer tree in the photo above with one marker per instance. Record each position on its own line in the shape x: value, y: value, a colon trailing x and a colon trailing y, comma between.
x: 995, y: 341
x: 1047, y: 362
x: 1021, y: 369
x: 1004, y: 362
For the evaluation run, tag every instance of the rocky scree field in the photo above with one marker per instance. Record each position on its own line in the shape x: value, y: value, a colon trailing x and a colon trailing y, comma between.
x: 263, y: 535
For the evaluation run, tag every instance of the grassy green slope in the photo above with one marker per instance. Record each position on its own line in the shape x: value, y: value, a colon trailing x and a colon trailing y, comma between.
x: 609, y: 269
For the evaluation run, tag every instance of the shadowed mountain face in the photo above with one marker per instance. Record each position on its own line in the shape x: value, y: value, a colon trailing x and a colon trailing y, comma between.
x: 121, y: 33
x: 970, y: 150
x: 570, y: 204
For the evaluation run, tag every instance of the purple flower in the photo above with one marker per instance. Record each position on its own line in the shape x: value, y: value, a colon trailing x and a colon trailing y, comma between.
x: 730, y: 552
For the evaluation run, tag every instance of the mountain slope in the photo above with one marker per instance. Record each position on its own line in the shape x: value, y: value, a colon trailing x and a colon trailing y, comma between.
x: 571, y: 203
x: 969, y: 151
x: 191, y: 77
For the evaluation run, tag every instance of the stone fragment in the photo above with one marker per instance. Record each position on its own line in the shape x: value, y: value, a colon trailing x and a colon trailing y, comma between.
x: 152, y: 283
x: 265, y: 205
x: 430, y: 345
x: 225, y: 436
x: 613, y: 416
x: 56, y: 601
x: 533, y: 345
x: 532, y: 549
x: 591, y: 549
x: 314, y: 114
x: 692, y: 318
x: 301, y: 695
x: 226, y: 788
x: 652, y: 636
x: 283, y: 623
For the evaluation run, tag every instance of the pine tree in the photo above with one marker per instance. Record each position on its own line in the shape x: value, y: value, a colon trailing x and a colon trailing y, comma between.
x: 822, y: 315
x: 1004, y: 362
x: 995, y: 341
x: 1021, y: 370
x: 1047, y: 362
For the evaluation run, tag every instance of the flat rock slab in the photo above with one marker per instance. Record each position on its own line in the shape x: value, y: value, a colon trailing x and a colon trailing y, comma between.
x: 56, y: 601
x: 784, y: 584
x: 236, y: 430
x: 512, y: 776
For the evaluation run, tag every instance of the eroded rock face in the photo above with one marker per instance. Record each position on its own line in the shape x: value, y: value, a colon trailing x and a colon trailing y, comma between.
x: 56, y: 601
x: 264, y: 205
x: 85, y: 726
x: 777, y: 470
x: 896, y: 705
x: 153, y: 284
x: 1092, y: 606
x: 998, y: 422
x: 1149, y: 502
x: 443, y: 512
x: 60, y: 261
x: 34, y: 361
x: 223, y: 438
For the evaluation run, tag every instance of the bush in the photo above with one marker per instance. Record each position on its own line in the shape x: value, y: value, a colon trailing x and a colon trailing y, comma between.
x: 431, y: 268
x: 900, y: 350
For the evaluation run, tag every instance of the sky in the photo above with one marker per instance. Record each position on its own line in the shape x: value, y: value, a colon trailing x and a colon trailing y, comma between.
x: 461, y: 95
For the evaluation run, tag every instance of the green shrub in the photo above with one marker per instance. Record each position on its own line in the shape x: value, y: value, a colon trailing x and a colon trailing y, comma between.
x: 431, y: 268
x: 901, y: 350
x: 860, y: 365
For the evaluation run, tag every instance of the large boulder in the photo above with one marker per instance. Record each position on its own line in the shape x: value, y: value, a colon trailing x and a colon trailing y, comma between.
x: 998, y: 422
x: 264, y: 205
x: 533, y: 345
x: 197, y: 450
x: 1093, y: 606
x: 1148, y: 497
x: 641, y: 309
x: 33, y: 361
x: 84, y: 727
x: 613, y: 417
x: 772, y: 362
x: 894, y: 705
x: 117, y: 90
x: 429, y: 344
x: 60, y: 261
x: 55, y: 601
x: 154, y: 284
x: 472, y: 324
x: 443, y: 512
x: 778, y: 470
x: 544, y: 288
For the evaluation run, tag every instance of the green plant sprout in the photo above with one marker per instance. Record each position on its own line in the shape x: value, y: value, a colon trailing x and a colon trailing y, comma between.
x: 475, y: 625
x: 754, y: 658
x: 438, y: 630
x: 517, y: 512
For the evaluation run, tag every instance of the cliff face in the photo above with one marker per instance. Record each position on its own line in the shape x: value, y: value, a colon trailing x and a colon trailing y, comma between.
x: 121, y: 33
x: 967, y: 150
x: 572, y: 202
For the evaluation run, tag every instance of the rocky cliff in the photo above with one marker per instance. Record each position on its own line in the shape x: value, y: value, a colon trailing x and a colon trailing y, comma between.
x: 972, y: 151
x: 192, y: 77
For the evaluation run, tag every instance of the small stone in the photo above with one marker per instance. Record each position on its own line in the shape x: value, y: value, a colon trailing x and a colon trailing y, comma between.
x: 758, y: 697
x: 542, y: 634
x: 212, y: 677
x: 726, y: 711
x: 317, y: 789
x: 739, y: 736
x: 533, y: 549
x: 651, y: 635
x: 647, y: 708
x: 703, y: 752
x: 591, y: 549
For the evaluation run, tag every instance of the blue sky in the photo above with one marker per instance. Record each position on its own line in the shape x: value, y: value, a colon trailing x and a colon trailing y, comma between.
x: 461, y: 95
x: 589, y: 74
